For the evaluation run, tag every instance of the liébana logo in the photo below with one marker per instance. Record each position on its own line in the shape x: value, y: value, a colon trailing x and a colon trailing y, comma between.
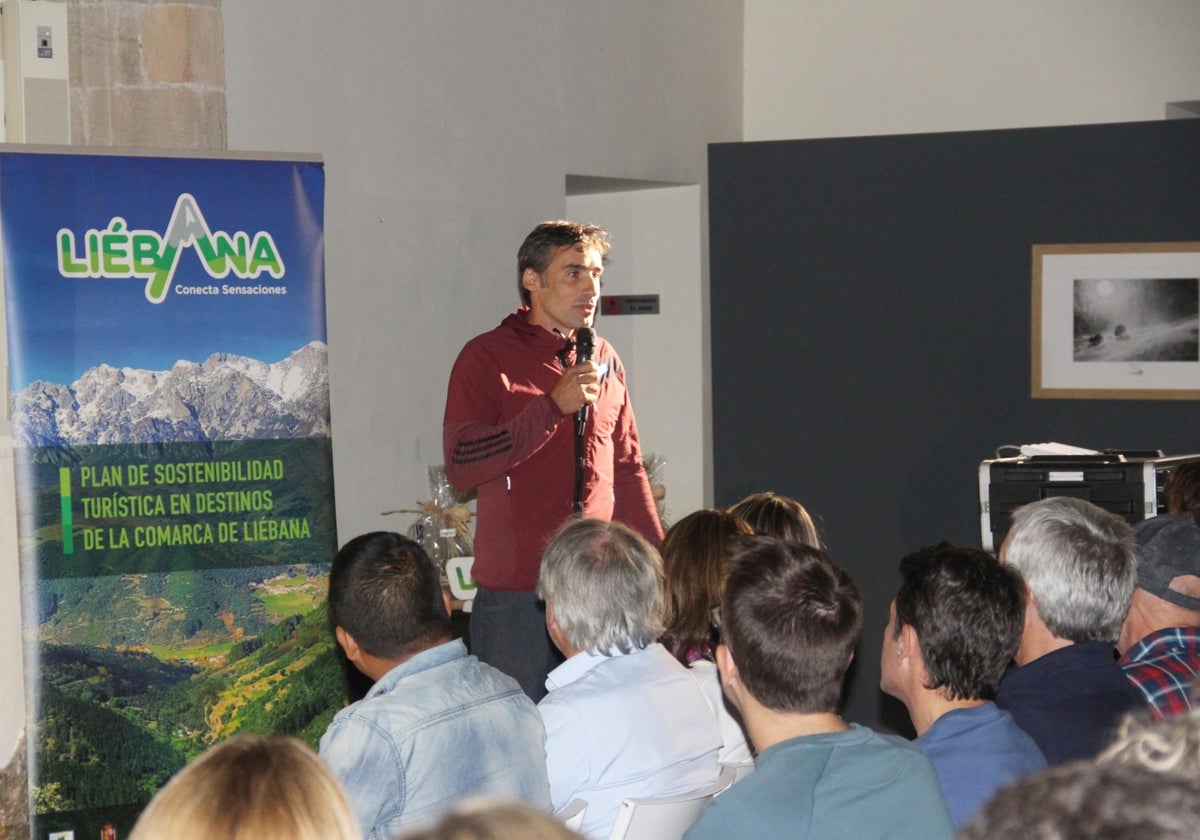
x: 117, y: 252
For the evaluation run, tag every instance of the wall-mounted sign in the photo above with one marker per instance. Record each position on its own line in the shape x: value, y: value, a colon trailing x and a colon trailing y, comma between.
x: 629, y: 304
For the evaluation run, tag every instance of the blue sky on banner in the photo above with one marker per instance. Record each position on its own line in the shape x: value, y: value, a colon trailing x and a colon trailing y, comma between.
x: 122, y: 216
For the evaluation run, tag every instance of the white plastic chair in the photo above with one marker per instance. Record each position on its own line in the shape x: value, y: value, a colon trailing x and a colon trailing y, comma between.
x: 666, y: 818
x: 741, y: 769
x: 462, y: 585
x: 572, y: 814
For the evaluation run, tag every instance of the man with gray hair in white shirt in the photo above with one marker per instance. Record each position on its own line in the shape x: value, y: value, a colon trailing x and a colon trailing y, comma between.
x: 623, y: 718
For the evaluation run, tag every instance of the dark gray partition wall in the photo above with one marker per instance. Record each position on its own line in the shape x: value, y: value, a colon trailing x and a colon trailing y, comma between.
x: 871, y: 324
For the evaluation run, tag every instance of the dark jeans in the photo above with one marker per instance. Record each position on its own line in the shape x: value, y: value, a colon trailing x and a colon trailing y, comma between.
x: 508, y: 632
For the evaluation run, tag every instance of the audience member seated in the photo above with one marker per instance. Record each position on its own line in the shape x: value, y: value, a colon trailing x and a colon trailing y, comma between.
x: 1079, y: 563
x: 1160, y: 639
x: 953, y: 627
x: 695, y: 555
x: 1181, y: 492
x: 250, y: 787
x: 790, y: 620
x: 778, y: 516
x: 437, y: 725
x: 623, y: 718
x: 1082, y: 800
x: 494, y: 819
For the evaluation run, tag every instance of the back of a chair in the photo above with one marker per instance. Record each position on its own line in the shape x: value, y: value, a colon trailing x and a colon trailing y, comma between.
x: 572, y: 814
x: 666, y: 818
x: 740, y: 768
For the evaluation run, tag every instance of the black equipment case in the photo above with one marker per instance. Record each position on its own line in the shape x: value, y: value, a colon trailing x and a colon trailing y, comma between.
x: 1129, y: 484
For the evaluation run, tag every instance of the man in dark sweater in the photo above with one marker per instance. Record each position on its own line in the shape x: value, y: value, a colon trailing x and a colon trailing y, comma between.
x: 1079, y: 564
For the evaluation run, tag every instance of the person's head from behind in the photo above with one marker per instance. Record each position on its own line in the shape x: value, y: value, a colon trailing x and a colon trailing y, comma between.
x: 485, y: 818
x: 386, y: 601
x: 1168, y: 578
x: 1182, y: 491
x: 602, y: 584
x: 695, y: 554
x: 964, y: 611
x: 790, y: 620
x: 1083, y: 800
x: 1170, y: 745
x: 547, y: 239
x: 251, y: 788
x: 772, y: 515
x: 1079, y: 563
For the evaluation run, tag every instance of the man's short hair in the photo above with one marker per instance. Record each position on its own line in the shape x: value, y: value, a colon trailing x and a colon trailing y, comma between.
x: 968, y: 612
x: 1087, y: 801
x: 1080, y: 563
x: 605, y: 582
x: 386, y: 593
x: 790, y: 618
x: 539, y: 246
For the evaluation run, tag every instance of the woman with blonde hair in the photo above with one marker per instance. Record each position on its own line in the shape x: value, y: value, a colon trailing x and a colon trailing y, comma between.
x: 778, y: 516
x: 251, y: 787
x: 1170, y: 745
x: 494, y: 819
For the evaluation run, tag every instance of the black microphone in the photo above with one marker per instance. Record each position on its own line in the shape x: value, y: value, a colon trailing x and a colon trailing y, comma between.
x: 585, y: 345
x: 585, y: 341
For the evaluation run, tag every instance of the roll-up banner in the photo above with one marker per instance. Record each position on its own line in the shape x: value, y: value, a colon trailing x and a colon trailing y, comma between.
x: 170, y: 419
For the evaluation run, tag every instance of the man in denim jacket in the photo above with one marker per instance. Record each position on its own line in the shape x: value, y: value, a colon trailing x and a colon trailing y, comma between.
x: 437, y: 725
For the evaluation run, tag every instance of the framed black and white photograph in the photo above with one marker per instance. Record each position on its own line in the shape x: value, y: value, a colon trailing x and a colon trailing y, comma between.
x: 1116, y: 321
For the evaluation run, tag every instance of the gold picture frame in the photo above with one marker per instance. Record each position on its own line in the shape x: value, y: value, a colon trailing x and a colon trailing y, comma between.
x: 1116, y: 321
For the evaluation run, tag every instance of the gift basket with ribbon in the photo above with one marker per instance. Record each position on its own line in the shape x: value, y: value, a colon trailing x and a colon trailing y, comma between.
x: 443, y: 524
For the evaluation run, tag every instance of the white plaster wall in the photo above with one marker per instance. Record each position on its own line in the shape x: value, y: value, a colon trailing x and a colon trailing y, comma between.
x: 656, y: 251
x: 448, y: 129
x: 837, y: 68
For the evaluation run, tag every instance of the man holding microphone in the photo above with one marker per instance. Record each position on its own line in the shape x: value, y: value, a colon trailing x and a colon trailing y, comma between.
x: 515, y: 399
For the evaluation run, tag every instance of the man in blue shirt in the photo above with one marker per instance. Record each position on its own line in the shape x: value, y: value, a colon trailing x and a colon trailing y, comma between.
x: 953, y: 628
x: 437, y: 725
x: 790, y: 620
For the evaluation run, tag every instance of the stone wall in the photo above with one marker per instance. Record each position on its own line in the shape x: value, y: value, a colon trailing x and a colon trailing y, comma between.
x: 147, y: 74
x: 14, y: 796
